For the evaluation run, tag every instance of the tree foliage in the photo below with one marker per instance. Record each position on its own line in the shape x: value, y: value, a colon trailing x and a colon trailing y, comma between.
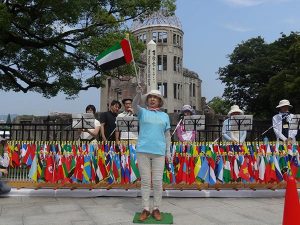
x: 51, y: 46
x: 260, y: 74
x: 219, y: 105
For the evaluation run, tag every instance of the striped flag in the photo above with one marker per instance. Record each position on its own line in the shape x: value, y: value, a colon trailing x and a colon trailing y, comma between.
x: 33, y: 169
x: 115, y: 56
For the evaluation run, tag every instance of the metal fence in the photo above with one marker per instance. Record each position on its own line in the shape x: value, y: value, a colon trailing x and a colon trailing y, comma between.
x: 64, y: 132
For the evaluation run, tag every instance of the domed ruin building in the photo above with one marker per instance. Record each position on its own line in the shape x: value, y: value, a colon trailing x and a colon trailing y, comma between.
x: 179, y: 86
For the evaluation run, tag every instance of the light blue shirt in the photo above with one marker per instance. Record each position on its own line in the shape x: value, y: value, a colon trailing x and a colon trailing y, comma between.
x: 152, y: 128
x: 228, y: 135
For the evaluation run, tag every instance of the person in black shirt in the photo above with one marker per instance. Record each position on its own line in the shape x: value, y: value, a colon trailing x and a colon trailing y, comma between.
x: 108, y: 121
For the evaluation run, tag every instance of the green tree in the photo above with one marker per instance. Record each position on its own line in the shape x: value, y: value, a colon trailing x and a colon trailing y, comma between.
x: 219, y: 105
x: 260, y: 74
x: 51, y: 46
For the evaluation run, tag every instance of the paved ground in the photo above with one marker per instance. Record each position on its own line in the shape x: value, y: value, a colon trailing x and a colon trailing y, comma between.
x: 23, y: 208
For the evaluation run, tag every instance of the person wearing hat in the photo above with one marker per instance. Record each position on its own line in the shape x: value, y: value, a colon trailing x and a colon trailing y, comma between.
x: 281, y: 122
x: 235, y: 136
x: 182, y: 134
x: 4, y: 163
x: 153, y: 145
x: 128, y: 111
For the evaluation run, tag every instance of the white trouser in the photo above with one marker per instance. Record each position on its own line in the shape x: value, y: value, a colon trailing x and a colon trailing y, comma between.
x: 148, y: 163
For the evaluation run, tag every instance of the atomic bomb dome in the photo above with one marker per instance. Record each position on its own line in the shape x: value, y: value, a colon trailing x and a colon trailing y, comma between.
x: 157, y: 19
x: 177, y: 85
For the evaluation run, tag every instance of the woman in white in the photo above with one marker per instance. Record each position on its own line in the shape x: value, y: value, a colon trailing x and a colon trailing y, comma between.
x: 228, y: 133
x: 91, y: 135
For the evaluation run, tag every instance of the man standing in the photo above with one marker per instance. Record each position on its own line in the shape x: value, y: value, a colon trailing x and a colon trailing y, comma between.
x: 128, y: 111
x: 281, y: 123
x: 108, y: 121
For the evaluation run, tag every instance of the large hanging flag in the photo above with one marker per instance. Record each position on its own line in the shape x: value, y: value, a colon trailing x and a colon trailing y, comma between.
x: 115, y: 56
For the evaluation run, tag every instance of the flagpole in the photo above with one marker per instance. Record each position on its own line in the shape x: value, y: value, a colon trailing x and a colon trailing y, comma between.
x: 134, y: 65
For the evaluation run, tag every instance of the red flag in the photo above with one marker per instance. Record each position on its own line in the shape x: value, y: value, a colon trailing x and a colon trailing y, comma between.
x: 191, y: 170
x: 102, y: 168
x: 49, y: 172
x: 179, y: 165
x: 268, y: 172
x: 15, y: 158
x: 244, y: 173
x: 79, y: 168
x: 185, y: 164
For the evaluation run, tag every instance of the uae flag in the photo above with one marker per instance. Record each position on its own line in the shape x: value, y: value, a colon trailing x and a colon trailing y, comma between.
x: 115, y: 56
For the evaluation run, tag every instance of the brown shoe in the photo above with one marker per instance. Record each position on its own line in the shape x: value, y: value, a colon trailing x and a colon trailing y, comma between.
x: 144, y: 215
x: 156, y: 214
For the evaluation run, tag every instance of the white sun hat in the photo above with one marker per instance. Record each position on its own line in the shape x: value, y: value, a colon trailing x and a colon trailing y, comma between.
x: 187, y: 108
x: 235, y: 108
x: 284, y: 102
x: 156, y: 93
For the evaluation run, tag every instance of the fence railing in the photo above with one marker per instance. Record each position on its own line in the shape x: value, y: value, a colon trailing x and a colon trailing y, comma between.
x: 64, y: 132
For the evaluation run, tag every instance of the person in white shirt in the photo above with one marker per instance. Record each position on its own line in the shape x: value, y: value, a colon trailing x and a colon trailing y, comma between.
x: 4, y: 163
x: 128, y: 111
x: 234, y: 136
x: 91, y: 135
x: 281, y: 123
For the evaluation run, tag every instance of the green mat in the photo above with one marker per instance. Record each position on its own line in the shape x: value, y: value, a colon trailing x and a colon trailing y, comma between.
x: 167, y: 218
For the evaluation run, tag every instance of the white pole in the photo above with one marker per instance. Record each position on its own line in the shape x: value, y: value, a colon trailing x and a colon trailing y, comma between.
x: 151, y: 66
x: 134, y: 65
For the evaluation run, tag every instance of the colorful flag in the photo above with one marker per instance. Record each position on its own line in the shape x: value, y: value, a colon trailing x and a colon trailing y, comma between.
x: 212, y: 176
x: 277, y: 169
x: 204, y: 170
x: 49, y: 172
x: 191, y: 175
x: 262, y: 168
x: 219, y: 171
x: 115, y: 56
x: 87, y: 170
x: 197, y: 166
x: 33, y: 169
x: 134, y: 173
x: 244, y: 173
x: 227, y: 171
x: 79, y: 168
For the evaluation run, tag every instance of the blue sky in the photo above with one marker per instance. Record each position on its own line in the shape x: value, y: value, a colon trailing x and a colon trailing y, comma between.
x: 212, y: 29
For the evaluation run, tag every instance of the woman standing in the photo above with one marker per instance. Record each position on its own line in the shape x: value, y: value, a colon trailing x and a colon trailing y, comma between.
x: 182, y: 134
x: 153, y: 144
x: 91, y: 135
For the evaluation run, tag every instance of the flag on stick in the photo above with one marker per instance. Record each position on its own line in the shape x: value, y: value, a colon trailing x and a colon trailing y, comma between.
x: 115, y: 56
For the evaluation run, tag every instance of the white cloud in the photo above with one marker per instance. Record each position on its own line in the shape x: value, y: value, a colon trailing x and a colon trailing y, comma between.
x: 245, y: 3
x: 248, y: 3
x: 237, y: 28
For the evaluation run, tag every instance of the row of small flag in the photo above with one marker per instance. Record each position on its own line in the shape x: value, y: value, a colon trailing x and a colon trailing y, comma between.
x: 88, y: 163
